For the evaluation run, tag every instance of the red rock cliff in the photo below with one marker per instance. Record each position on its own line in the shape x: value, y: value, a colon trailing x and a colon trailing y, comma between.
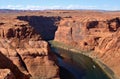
x: 102, y: 36
x: 24, y: 53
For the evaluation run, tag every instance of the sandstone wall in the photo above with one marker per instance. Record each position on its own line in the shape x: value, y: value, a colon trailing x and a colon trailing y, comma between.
x: 24, y: 53
x: 100, y: 36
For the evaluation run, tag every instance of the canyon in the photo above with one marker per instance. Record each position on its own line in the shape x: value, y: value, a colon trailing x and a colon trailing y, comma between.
x: 24, y: 53
x: 24, y: 35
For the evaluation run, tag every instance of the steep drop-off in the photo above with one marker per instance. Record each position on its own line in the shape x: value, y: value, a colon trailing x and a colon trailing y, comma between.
x: 45, y: 26
x: 23, y: 53
x: 85, y: 32
x: 100, y: 36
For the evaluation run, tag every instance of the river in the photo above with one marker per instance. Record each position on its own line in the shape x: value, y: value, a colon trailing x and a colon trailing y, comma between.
x: 77, y: 66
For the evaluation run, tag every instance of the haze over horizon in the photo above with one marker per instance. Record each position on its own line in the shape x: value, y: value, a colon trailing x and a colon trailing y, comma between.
x: 60, y: 4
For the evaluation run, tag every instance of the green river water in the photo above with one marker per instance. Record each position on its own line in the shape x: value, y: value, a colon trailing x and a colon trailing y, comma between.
x: 79, y: 66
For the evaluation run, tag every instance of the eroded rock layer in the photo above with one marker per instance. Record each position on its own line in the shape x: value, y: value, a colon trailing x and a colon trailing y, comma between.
x: 100, y: 36
x: 24, y: 53
x: 96, y: 31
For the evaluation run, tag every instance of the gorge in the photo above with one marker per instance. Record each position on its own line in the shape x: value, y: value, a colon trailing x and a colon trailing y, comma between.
x: 87, y: 44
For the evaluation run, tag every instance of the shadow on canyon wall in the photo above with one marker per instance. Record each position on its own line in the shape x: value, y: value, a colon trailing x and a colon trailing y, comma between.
x: 45, y: 26
x: 6, y: 63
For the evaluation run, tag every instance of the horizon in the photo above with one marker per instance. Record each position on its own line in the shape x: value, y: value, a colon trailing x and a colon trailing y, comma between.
x: 60, y: 4
x: 61, y: 10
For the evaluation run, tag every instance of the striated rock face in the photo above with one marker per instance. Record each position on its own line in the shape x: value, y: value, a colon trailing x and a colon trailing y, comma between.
x: 24, y: 53
x: 86, y: 34
x: 100, y: 36
x: 108, y: 50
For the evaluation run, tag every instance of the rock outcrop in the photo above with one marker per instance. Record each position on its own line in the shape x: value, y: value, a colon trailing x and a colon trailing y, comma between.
x: 100, y: 36
x: 24, y: 53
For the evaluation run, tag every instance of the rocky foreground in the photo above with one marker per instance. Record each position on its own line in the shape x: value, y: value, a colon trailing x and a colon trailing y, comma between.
x: 25, y: 54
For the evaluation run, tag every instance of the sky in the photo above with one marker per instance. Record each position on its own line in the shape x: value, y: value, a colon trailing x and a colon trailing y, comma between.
x: 60, y: 4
